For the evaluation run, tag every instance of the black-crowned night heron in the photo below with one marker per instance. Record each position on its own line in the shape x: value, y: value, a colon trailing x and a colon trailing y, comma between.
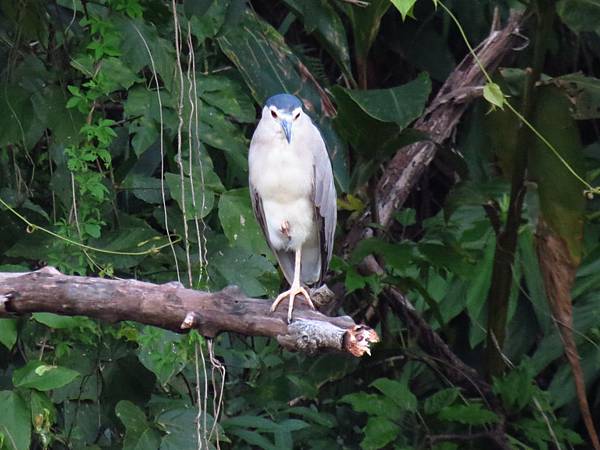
x: 293, y: 194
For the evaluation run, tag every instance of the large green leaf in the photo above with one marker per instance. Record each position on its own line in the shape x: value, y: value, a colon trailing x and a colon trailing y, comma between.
x: 142, y: 46
x: 49, y: 105
x: 197, y: 204
x: 133, y: 235
x: 217, y: 131
x: 18, y: 122
x: 238, y: 222
x: 227, y: 95
x: 147, y: 189
x: 15, y: 421
x: 59, y: 322
x: 469, y: 414
x: 319, y: 17
x: 8, y: 332
x: 365, y: 24
x: 561, y: 196
x: 378, y: 433
x: 269, y: 67
x: 43, y: 377
x: 400, y: 105
x: 398, y: 391
x: 367, y: 135
x: 583, y: 93
x: 239, y: 267
x: 580, y: 15
x: 440, y: 400
x: 160, y: 352
x: 562, y: 388
x: 373, y: 404
x: 139, y: 435
x: 207, y: 25
x: 180, y: 425
x: 533, y: 280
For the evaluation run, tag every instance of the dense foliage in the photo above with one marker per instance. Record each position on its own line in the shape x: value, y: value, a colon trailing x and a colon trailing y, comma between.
x: 124, y: 127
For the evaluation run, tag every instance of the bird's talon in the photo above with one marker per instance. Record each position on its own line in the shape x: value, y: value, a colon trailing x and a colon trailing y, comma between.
x: 291, y: 295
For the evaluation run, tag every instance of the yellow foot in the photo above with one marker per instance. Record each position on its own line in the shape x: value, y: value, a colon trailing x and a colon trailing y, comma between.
x: 291, y: 293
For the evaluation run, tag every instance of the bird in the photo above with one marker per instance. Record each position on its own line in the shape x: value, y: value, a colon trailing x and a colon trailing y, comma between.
x: 293, y: 194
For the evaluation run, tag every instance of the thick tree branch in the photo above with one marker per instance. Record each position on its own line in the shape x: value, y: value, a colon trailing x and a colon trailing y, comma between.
x: 173, y: 307
x: 441, y: 118
x: 439, y: 121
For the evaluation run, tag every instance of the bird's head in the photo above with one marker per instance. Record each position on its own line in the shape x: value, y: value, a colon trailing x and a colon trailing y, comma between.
x: 281, y: 112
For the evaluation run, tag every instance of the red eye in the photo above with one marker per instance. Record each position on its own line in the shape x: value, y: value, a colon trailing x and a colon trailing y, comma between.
x: 273, y: 114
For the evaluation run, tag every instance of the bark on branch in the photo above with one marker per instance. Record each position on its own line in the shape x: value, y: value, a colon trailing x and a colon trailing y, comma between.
x: 173, y: 307
x: 441, y: 118
x: 439, y: 122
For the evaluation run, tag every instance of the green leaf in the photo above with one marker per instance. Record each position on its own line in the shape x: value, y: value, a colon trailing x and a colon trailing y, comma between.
x: 117, y: 74
x: 398, y: 391
x: 370, y: 137
x: 50, y: 106
x: 43, y: 377
x: 59, y: 322
x: 493, y: 94
x: 139, y: 435
x: 583, y: 94
x: 534, y: 282
x: 196, y: 7
x: 160, y: 352
x: 8, y: 332
x: 321, y: 19
x: 580, y: 15
x: 354, y: 280
x: 405, y: 7
x: 397, y: 256
x: 365, y: 24
x: 227, y: 95
x: 373, y: 405
x: 562, y: 388
x: 18, y: 122
x: 197, y: 205
x: 256, y: 422
x: 401, y: 104
x: 133, y: 235
x: 378, y: 433
x: 242, y: 268
x: 516, y: 388
x: 218, y: 132
x: 147, y: 189
x: 478, y: 287
x: 269, y: 66
x: 135, y: 36
x: 253, y: 438
x: 312, y: 414
x: 15, y: 421
x: 239, y: 223
x: 470, y: 414
x: 208, y: 24
x: 177, y: 424
x: 440, y: 400
x: 501, y: 128
x: 562, y: 203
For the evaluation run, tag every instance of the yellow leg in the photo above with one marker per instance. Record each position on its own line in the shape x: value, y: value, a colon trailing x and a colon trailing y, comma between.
x: 294, y: 290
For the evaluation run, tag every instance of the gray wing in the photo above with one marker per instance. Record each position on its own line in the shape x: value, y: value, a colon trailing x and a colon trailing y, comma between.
x: 285, y: 259
x: 324, y: 200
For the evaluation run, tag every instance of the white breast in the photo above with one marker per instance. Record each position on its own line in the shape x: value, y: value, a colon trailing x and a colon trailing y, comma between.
x: 282, y: 174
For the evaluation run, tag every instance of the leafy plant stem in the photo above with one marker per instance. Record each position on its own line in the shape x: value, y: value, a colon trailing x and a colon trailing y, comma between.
x: 506, y: 243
